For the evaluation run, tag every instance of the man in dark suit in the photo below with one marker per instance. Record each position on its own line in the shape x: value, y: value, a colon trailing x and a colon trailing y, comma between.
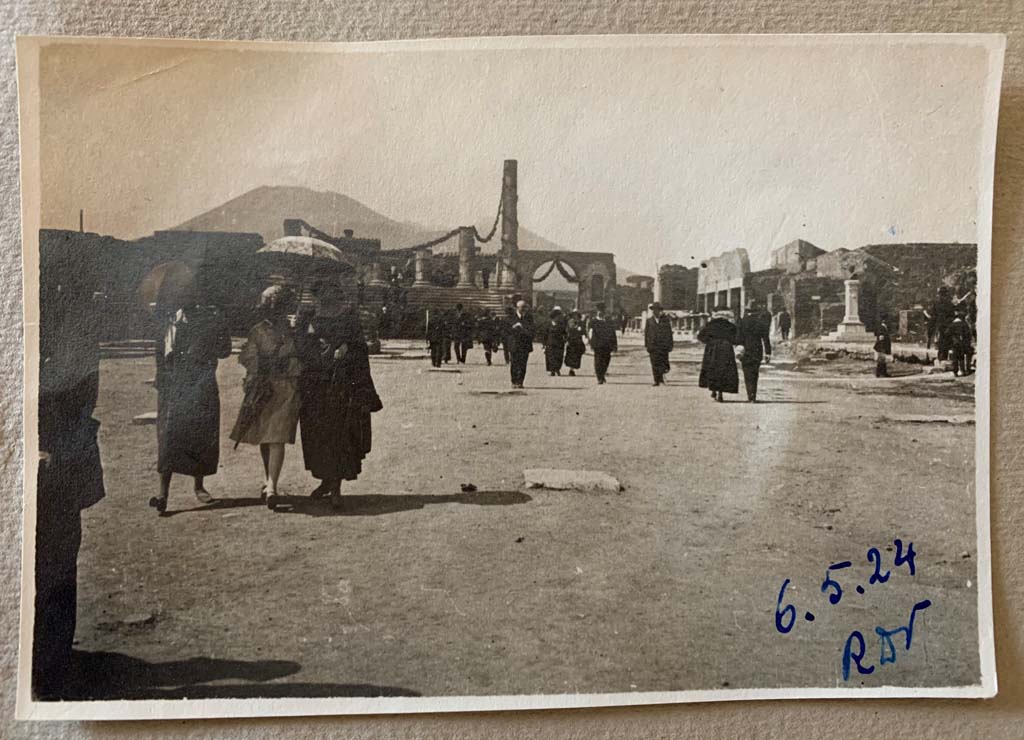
x: 603, y: 341
x: 520, y: 342
x: 753, y: 333
x: 658, y: 342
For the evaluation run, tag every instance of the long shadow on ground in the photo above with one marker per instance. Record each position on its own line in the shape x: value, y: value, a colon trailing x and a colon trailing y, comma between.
x: 103, y: 675
x: 363, y: 505
x: 376, y: 504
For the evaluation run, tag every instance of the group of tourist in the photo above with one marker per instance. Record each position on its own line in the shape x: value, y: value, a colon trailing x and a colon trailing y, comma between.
x: 564, y: 337
x: 314, y: 371
x: 950, y: 326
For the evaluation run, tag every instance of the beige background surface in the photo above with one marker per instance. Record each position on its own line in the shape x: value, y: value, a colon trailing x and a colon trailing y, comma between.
x: 380, y: 19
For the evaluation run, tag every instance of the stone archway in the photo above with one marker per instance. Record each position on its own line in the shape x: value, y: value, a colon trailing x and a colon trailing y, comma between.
x: 594, y: 273
x: 570, y: 286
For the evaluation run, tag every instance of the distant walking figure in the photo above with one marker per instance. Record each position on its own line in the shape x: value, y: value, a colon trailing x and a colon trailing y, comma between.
x: 883, y: 348
x: 752, y: 334
x: 961, y: 343
x: 658, y: 342
x: 718, y: 369
x: 462, y: 333
x: 603, y: 341
x: 437, y: 328
x: 520, y: 343
x: 487, y: 333
x: 785, y: 323
x: 554, y: 342
x: 270, y: 409
x: 575, y: 346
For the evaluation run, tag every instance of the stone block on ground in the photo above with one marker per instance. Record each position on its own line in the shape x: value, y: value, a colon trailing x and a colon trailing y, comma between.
x: 571, y: 480
x: 147, y: 418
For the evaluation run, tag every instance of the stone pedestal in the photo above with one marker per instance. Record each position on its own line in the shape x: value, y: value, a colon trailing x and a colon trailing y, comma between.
x: 467, y: 245
x: 377, y: 275
x: 852, y: 328
x: 421, y: 268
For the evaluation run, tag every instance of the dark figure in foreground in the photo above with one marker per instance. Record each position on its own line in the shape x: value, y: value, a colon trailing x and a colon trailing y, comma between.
x: 437, y: 329
x: 883, y: 347
x: 753, y: 333
x: 718, y: 368
x: 520, y: 343
x: 462, y: 333
x: 487, y: 333
x: 785, y: 322
x: 485, y: 277
x: 554, y: 342
x: 337, y: 393
x: 192, y: 340
x: 602, y: 341
x: 961, y: 343
x: 658, y: 342
x: 575, y: 345
x: 69, y: 477
x: 623, y: 322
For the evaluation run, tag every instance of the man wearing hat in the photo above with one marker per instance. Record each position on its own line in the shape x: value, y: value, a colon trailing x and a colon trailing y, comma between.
x: 602, y: 341
x: 658, y: 342
x: 520, y: 342
x: 752, y: 333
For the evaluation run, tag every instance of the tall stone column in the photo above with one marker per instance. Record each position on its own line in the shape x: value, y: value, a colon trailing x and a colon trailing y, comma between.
x: 421, y: 268
x: 509, y: 225
x: 467, y: 245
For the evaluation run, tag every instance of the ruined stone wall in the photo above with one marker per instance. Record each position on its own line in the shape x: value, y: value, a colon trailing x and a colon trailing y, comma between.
x: 678, y: 286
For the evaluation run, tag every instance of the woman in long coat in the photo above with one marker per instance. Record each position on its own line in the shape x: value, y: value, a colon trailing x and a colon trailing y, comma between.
x: 191, y: 341
x: 718, y: 370
x: 574, y: 344
x: 270, y: 409
x: 338, y: 394
x: 554, y: 342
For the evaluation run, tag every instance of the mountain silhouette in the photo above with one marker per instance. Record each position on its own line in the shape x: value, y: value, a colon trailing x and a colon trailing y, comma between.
x: 264, y: 209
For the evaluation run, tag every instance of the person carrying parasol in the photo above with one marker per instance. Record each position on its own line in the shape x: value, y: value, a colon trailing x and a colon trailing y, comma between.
x: 191, y: 338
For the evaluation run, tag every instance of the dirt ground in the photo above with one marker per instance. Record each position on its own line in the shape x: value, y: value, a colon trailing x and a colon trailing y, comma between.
x: 416, y: 588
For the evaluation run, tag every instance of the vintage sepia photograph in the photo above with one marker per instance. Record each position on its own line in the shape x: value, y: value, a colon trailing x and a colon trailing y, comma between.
x: 504, y: 373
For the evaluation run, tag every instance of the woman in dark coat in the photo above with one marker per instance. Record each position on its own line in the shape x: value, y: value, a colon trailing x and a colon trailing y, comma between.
x: 338, y: 394
x: 718, y: 370
x: 574, y: 344
x: 554, y: 342
x: 191, y: 341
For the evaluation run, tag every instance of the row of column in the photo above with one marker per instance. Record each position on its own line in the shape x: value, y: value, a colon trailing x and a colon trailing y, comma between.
x: 467, y: 252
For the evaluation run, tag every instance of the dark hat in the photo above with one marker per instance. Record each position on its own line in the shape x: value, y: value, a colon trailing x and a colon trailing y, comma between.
x: 655, y: 306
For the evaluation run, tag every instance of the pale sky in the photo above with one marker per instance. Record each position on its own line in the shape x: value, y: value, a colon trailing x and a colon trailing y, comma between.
x: 655, y: 154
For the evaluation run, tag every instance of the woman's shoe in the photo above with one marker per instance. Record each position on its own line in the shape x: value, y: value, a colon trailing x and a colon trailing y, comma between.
x: 335, y: 500
x: 203, y: 495
x: 272, y: 500
x: 263, y: 492
x: 572, y: 373
x: 159, y: 503
x: 319, y: 492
